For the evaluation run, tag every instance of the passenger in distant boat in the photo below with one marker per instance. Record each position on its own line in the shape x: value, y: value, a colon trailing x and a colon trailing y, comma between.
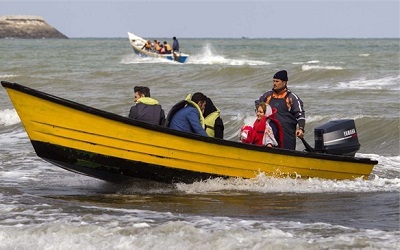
x: 175, y: 45
x: 187, y: 115
x: 290, y: 111
x: 162, y: 49
x: 147, y: 46
x: 266, y: 130
x: 146, y: 109
x: 213, y: 121
x: 167, y: 48
x: 156, y: 47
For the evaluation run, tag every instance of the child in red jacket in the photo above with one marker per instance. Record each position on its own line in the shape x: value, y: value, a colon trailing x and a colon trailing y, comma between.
x: 266, y: 129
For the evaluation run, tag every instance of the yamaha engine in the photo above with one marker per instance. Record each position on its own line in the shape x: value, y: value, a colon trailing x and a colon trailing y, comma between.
x: 337, y: 137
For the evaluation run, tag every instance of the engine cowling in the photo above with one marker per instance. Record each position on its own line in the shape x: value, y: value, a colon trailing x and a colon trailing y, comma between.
x: 338, y: 137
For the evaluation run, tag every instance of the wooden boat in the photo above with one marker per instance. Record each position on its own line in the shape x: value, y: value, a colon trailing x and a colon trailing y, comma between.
x: 138, y: 42
x: 111, y: 147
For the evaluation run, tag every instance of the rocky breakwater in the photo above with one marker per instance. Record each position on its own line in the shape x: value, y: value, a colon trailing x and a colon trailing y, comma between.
x: 28, y: 27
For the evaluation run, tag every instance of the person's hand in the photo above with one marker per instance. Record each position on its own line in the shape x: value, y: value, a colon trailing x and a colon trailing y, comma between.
x: 300, y: 133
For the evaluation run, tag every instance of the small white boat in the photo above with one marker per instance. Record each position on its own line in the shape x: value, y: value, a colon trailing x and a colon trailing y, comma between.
x: 138, y: 42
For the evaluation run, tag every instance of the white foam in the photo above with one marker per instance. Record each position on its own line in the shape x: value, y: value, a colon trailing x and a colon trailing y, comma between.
x: 9, y: 117
x: 331, y: 117
x: 135, y: 59
x: 265, y: 184
x: 390, y: 82
x: 318, y: 67
x: 210, y: 57
x: 144, y: 230
x: 8, y: 76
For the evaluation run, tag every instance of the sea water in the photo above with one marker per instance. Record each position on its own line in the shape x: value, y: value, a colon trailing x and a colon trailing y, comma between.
x: 45, y: 207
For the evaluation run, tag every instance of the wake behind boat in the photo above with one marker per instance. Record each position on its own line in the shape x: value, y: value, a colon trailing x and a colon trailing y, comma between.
x: 111, y: 147
x: 138, y: 44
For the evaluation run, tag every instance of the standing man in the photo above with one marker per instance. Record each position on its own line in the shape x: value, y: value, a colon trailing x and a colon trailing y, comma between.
x: 146, y: 109
x: 290, y: 112
x: 175, y: 45
x: 187, y: 115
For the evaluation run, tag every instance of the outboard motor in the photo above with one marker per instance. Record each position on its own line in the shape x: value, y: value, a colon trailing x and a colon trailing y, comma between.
x: 337, y: 137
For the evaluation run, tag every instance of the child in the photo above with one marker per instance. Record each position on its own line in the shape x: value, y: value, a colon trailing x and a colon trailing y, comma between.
x: 266, y: 129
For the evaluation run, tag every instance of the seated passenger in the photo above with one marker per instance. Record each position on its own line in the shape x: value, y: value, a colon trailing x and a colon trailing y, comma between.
x: 213, y: 121
x: 147, y: 46
x: 146, y: 109
x: 266, y: 130
x: 187, y: 115
x: 167, y: 48
x: 162, y: 49
x: 156, y: 46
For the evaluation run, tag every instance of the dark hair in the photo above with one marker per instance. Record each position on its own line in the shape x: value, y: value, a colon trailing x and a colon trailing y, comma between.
x: 142, y: 90
x: 209, y: 107
x: 199, y: 97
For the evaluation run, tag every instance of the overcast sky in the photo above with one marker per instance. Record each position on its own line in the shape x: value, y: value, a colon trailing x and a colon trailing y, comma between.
x: 216, y: 19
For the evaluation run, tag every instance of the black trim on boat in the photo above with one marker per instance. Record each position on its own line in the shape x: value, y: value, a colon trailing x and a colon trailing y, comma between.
x: 113, y: 169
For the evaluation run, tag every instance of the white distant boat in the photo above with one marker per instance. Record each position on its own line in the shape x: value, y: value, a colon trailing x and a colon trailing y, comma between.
x: 138, y: 42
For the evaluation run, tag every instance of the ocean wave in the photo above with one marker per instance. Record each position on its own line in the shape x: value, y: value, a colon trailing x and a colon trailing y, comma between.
x: 392, y: 82
x: 9, y: 117
x: 318, y: 67
x: 208, y: 56
x: 7, y: 76
x: 266, y: 184
x: 135, y: 59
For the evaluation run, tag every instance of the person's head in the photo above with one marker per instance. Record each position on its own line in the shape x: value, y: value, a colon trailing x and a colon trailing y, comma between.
x: 261, y: 109
x: 165, y: 42
x: 200, y: 100
x: 174, y: 38
x: 209, y: 107
x: 141, y: 91
x: 280, y: 81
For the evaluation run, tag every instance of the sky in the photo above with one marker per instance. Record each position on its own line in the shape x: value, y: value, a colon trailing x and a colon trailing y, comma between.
x: 215, y: 19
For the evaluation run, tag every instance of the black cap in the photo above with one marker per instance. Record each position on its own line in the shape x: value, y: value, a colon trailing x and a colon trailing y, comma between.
x: 281, y: 75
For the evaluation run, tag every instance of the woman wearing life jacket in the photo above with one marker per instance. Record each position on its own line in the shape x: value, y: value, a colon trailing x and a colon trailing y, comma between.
x: 213, y: 121
x: 266, y: 129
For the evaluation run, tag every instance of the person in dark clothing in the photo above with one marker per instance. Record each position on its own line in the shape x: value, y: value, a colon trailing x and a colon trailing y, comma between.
x: 146, y: 109
x: 175, y: 45
x: 290, y: 111
x: 213, y: 121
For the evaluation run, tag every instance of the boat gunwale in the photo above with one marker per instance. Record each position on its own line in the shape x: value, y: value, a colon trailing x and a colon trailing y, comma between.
x: 163, y: 129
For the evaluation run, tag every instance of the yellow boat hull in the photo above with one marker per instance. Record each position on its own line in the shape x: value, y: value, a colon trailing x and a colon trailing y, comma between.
x: 111, y: 147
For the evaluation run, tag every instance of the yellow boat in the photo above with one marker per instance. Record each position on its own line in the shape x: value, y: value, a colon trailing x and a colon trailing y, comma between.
x: 111, y: 147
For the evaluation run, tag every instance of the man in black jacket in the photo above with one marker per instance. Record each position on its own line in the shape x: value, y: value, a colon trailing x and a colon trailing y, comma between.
x: 290, y: 109
x: 146, y: 109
